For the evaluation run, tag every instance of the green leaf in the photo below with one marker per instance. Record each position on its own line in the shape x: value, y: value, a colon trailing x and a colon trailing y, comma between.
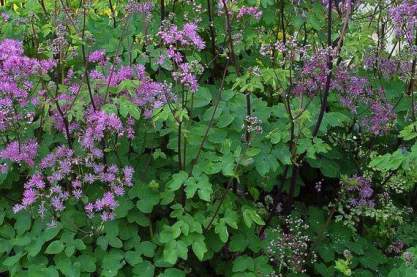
x: 173, y: 272
x: 409, y: 132
x: 147, y: 248
x: 55, y: 247
x: 69, y: 250
x: 221, y: 230
x: 171, y: 232
x: 177, y: 180
x: 201, y: 185
x: 21, y: 241
x: 128, y: 108
x: 202, y: 97
x: 87, y: 263
x: 238, y: 243
x: 243, y: 263
x: 133, y: 257
x: 199, y: 248
x: 11, y: 261
x: 67, y: 266
x: 173, y: 250
x: 145, y: 269
x: 250, y: 215
x: 109, y: 108
x: 23, y: 222
x: 326, y: 253
x: 51, y: 233
x: 112, y: 263
x: 148, y: 199
x: 79, y: 244
x: 102, y: 242
x: 115, y: 242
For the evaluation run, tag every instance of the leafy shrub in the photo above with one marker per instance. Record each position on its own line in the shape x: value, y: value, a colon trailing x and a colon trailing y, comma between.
x: 208, y: 138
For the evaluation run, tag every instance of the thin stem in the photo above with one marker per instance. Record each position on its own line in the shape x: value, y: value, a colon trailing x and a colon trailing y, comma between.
x: 211, y: 28
x: 210, y: 125
x: 179, y: 145
x: 282, y: 9
x: 162, y: 10
x: 113, y: 14
x: 64, y: 120
x: 87, y: 78
x: 329, y: 68
x: 223, y: 197
x: 42, y: 3
x: 236, y: 63
x: 411, y: 86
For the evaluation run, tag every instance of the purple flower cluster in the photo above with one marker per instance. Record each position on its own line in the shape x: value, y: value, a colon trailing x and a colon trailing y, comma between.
x: 116, y: 74
x: 15, y: 86
x: 98, y: 122
x: 313, y: 75
x: 133, y: 7
x: 382, y: 117
x: 341, y: 5
x: 62, y: 175
x: 15, y: 64
x: 58, y: 179
x: 221, y: 9
x: 356, y: 91
x: 289, y: 50
x: 20, y: 152
x: 361, y: 192
x: 387, y: 67
x: 185, y: 77
x: 116, y: 77
x: 117, y: 182
x: 396, y: 247
x: 171, y: 35
x: 151, y: 95
x: 65, y: 98
x: 4, y: 16
x: 251, y: 11
x: 16, y: 99
x: 98, y: 56
x: 404, y: 17
x: 353, y: 90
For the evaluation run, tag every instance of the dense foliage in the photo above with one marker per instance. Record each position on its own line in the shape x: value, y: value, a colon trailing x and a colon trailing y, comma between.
x: 208, y: 138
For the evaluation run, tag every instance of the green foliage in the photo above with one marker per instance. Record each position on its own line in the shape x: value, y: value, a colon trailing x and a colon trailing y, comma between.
x: 214, y: 195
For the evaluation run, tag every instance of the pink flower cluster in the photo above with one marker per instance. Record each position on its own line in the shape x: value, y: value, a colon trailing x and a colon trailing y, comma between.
x: 362, y: 191
x: 387, y: 67
x: 20, y: 152
x: 382, y: 117
x: 98, y: 122
x: 15, y: 86
x: 98, y: 56
x: 250, y: 11
x: 404, y: 17
x: 133, y: 7
x: 16, y: 99
x: 58, y: 179
x: 151, y: 95
x: 171, y: 35
x: 185, y: 77
x: 353, y: 91
x: 312, y: 77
